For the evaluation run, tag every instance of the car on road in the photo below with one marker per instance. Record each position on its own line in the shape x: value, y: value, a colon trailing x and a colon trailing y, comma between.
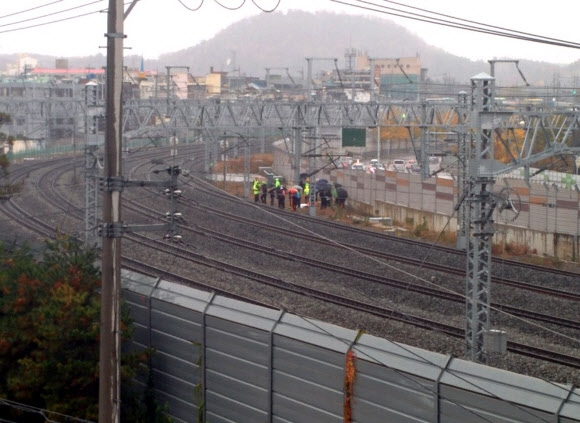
x: 414, y: 168
x: 399, y: 165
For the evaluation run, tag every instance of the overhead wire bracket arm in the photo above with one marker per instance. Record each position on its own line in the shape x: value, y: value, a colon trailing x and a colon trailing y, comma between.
x: 403, y: 70
x: 338, y: 72
x: 521, y: 73
x: 131, y: 6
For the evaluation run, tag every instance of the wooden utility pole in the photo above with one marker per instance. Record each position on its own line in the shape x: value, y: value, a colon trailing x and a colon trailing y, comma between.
x: 110, y: 345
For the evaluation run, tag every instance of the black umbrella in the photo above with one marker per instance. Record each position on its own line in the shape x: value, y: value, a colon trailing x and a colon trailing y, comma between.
x: 321, y: 183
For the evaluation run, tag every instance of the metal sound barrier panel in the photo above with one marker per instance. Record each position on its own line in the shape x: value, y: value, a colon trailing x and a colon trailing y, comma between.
x: 244, y: 363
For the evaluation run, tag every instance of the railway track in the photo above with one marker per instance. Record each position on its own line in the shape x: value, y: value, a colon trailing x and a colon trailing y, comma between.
x: 400, y: 258
x: 381, y: 312
x: 381, y: 280
x: 423, y: 250
x: 182, y: 253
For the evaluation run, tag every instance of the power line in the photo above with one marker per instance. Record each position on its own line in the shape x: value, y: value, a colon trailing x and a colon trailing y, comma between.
x: 194, y: 9
x: 431, y: 17
x: 475, y: 22
x: 28, y: 10
x: 231, y: 8
x: 51, y: 14
x: 103, y: 10
x: 52, y: 22
x: 266, y: 10
x: 46, y: 414
x: 484, y: 28
x: 406, y: 348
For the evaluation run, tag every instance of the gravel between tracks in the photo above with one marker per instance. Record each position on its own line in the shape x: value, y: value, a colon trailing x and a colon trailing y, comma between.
x: 197, y: 217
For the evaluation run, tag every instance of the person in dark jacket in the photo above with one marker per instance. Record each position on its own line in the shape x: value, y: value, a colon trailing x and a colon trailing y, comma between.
x: 272, y: 193
x: 325, y: 196
x: 264, y: 189
x: 341, y: 196
x: 281, y: 197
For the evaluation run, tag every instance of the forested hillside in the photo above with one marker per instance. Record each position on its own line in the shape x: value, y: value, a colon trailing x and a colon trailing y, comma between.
x: 285, y: 40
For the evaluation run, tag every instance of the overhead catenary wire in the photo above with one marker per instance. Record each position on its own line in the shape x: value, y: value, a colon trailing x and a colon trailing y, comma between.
x: 404, y: 375
x: 488, y: 32
x: 436, y: 393
x: 385, y: 363
x: 405, y: 272
x: 68, y: 18
x: 431, y: 17
x: 410, y: 350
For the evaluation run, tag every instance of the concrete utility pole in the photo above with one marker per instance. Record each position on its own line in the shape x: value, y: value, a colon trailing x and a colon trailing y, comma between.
x: 110, y: 347
x: 112, y: 229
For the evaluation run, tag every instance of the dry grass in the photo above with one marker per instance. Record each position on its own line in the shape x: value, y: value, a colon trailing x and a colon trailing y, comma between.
x: 236, y: 165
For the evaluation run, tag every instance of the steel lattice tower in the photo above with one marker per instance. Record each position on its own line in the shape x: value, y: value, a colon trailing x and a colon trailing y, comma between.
x: 480, y: 205
x: 93, y: 142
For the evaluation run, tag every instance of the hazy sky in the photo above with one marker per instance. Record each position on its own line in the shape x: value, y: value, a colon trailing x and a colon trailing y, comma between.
x: 159, y: 26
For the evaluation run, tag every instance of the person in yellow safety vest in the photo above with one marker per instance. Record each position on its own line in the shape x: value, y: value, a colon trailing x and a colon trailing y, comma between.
x: 307, y: 191
x: 256, y: 189
x: 277, y: 183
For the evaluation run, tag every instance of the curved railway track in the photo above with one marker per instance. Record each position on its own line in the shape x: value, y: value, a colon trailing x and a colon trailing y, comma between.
x: 344, y: 270
x: 453, y: 259
x: 186, y: 254
x: 338, y: 300
x: 400, y: 258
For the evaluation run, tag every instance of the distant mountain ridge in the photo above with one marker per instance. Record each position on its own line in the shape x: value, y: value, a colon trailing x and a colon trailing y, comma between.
x: 285, y: 40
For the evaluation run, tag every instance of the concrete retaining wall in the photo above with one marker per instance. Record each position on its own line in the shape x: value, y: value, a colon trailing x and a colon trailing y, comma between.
x: 548, y: 222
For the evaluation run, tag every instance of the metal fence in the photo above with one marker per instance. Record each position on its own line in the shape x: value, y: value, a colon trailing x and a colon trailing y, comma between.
x: 548, y: 221
x: 218, y: 360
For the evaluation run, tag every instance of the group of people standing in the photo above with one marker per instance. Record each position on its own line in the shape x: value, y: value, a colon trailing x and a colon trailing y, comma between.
x: 330, y: 194
x: 261, y: 191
